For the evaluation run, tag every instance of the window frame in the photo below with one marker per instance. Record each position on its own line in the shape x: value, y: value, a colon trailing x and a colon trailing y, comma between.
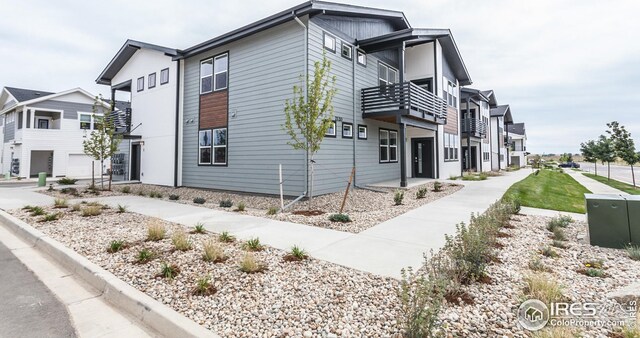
x: 389, y: 69
x: 335, y: 132
x: 164, y: 71
x: 451, y: 145
x: 226, y: 84
x: 140, y: 84
x: 201, y: 77
x: 388, y: 146
x: 366, y: 132
x: 326, y: 35
x: 349, y: 48
x: 91, y: 124
x: 358, y: 53
x: 149, y: 80
x: 210, y: 147
x: 347, y: 124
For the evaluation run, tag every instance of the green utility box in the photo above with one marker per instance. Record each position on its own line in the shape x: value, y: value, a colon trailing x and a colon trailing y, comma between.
x: 42, y: 179
x: 608, y: 220
x: 633, y: 207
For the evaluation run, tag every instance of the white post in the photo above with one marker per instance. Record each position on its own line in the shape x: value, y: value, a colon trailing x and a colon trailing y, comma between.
x: 281, y: 193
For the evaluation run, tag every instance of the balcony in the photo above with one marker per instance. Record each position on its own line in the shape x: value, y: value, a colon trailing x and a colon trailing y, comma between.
x: 474, y: 127
x: 404, y: 98
x: 121, y: 120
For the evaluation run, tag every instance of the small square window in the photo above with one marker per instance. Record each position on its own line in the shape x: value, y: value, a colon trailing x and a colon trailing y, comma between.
x: 347, y: 130
x: 362, y: 58
x: 331, y: 132
x: 362, y: 132
x: 141, y: 84
x: 152, y: 80
x: 329, y: 42
x: 347, y: 51
x: 164, y: 76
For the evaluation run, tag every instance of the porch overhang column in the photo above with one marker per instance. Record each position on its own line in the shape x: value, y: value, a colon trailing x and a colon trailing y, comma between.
x: 508, y: 145
x: 402, y: 126
x: 468, y: 119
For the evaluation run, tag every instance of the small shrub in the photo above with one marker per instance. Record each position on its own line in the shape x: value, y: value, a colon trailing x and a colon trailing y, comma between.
x: 549, y: 252
x: 296, y: 254
x: 561, y: 221
x: 51, y: 188
x: 398, y: 197
x: 169, y: 271
x: 341, y: 218
x: 199, y: 200
x: 141, y: 193
x: 253, y: 244
x: 76, y: 207
x: 471, y: 248
x: 181, y: 241
x: 116, y: 246
x: 558, y: 234
x: 91, y: 210
x: 67, y: 181
x: 540, y: 286
x: 249, y: 264
x: 60, y: 203
x: 122, y: 209
x: 628, y: 331
x: 559, y: 244
x: 421, y: 193
x: 144, y: 256
x: 50, y: 217
x: 593, y: 272
x: 240, y: 206
x: 226, y: 203
x: 70, y: 191
x: 421, y: 300
x: 204, y: 287
x: 156, y: 231
x: 634, y: 252
x: 557, y: 332
x: 28, y: 207
x: 272, y: 211
x: 37, y: 211
x: 596, y: 264
x: 212, y: 252
x: 199, y: 228
x: 173, y: 197
x: 437, y: 186
x: 155, y: 194
x: 535, y: 264
x: 453, y: 177
x: 125, y: 190
x: 225, y: 237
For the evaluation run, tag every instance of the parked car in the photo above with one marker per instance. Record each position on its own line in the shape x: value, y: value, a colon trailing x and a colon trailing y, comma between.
x: 569, y: 165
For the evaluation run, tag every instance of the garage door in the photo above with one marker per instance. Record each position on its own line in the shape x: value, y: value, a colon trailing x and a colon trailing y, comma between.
x: 79, y: 165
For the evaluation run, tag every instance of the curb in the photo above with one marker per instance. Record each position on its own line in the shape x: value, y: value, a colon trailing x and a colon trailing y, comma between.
x: 142, y: 307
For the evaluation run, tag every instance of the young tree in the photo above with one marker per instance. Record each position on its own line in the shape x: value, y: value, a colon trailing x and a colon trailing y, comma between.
x: 309, y: 117
x: 605, y: 153
x: 623, y: 145
x: 103, y: 142
x: 588, y: 150
x: 566, y: 158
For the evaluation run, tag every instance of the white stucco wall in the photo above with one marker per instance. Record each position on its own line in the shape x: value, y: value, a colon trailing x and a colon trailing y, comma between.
x: 153, y: 114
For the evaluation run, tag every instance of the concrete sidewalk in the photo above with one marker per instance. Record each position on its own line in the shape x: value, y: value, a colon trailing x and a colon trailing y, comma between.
x: 383, y: 249
x: 593, y: 185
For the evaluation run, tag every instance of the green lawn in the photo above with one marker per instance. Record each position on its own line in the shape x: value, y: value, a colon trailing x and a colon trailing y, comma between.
x: 550, y: 190
x: 628, y: 188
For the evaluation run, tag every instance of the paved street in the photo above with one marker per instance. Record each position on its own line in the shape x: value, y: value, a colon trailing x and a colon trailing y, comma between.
x: 28, y: 308
x: 618, y: 172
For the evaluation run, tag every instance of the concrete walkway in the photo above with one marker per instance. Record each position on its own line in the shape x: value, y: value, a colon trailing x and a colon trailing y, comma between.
x: 383, y: 249
x: 593, y: 185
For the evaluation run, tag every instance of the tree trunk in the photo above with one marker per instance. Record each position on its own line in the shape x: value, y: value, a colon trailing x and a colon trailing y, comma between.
x: 93, y: 174
x: 595, y: 165
x: 633, y: 176
x: 101, y: 174
x: 608, y: 171
x: 110, y: 173
x: 311, y: 186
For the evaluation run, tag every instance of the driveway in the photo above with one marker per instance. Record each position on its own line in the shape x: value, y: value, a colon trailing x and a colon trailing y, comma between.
x: 28, y: 308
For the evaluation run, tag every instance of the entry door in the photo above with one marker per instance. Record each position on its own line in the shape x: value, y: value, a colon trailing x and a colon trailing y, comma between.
x: 423, y: 157
x: 135, y: 162
x: 474, y: 158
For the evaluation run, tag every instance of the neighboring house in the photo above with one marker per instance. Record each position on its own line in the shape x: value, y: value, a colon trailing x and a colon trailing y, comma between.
x: 476, y: 114
x: 44, y: 131
x: 396, y: 109
x: 149, y: 150
x: 500, y: 119
x: 518, y: 144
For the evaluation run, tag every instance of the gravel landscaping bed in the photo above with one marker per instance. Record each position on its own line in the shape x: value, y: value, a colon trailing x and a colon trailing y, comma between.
x: 493, y: 313
x: 311, y: 298
x: 365, y: 208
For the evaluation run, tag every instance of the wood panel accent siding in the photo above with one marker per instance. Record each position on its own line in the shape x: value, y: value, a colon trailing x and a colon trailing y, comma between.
x: 214, y: 109
x: 452, y: 121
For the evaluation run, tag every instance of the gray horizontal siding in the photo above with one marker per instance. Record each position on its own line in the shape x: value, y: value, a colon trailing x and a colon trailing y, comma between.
x: 9, y: 131
x: 70, y: 109
x: 355, y: 27
x: 263, y: 69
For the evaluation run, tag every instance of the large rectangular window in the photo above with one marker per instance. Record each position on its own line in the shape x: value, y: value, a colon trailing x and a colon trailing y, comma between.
x: 220, y: 146
x: 206, y: 76
x: 204, y: 147
x: 85, y: 121
x: 388, y: 140
x: 451, y: 147
x: 89, y: 121
x: 221, y: 71
x: 386, y: 74
x: 212, y: 146
x: 450, y: 93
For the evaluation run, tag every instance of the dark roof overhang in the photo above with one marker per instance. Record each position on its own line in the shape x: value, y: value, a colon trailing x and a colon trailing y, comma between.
x: 503, y: 111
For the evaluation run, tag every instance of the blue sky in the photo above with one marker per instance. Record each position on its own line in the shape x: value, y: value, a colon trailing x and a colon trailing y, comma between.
x: 566, y: 67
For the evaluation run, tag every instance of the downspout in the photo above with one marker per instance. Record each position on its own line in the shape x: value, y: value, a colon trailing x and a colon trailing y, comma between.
x: 354, y: 131
x: 177, y: 129
x: 506, y: 140
x: 306, y: 81
x: 498, y: 141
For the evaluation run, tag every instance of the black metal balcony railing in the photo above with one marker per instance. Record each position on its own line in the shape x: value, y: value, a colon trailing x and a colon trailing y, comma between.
x: 475, y: 127
x: 121, y: 120
x: 406, y: 97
